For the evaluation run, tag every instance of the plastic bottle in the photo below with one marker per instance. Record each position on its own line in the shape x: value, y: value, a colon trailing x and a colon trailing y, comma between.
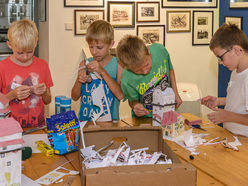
x: 65, y: 104
x: 57, y: 104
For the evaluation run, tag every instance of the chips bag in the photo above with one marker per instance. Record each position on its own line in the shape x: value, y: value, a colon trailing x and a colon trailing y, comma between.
x: 63, y: 132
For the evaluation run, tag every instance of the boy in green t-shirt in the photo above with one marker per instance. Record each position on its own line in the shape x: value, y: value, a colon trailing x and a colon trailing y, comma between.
x: 144, y: 67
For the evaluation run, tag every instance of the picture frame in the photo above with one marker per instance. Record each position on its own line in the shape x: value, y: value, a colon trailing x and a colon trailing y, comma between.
x: 178, y: 21
x: 202, y: 27
x: 83, y: 3
x: 151, y: 33
x: 147, y: 11
x: 237, y: 20
x: 121, y: 14
x: 238, y: 4
x: 42, y: 10
x: 189, y: 3
x: 83, y: 18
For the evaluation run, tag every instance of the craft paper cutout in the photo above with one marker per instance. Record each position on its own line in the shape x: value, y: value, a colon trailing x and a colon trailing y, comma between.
x: 231, y: 145
x: 55, y: 175
x: 100, y: 100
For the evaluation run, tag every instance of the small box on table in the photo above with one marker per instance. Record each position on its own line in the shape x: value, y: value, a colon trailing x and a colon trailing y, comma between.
x: 132, y: 175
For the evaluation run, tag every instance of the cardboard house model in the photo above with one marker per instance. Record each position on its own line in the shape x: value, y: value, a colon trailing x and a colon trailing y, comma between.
x: 10, y: 152
x: 164, y: 114
x: 172, y: 123
x: 163, y: 101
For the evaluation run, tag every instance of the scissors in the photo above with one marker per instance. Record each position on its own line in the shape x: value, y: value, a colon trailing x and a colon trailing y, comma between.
x: 198, y: 127
x: 85, y: 68
x: 33, y: 130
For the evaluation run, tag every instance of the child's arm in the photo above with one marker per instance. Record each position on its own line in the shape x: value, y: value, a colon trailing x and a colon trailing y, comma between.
x: 213, y: 102
x: 114, y: 86
x: 46, y: 97
x: 81, y: 78
x: 76, y: 90
x: 222, y: 115
x: 174, y: 87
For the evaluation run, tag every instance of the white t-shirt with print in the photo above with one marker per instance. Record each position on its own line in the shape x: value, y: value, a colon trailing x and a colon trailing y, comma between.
x: 237, y: 100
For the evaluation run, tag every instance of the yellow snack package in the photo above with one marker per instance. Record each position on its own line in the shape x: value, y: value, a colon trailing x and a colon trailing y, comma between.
x: 45, y: 148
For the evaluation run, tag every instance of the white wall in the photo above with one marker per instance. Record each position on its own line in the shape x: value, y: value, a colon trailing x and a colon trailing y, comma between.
x: 194, y: 64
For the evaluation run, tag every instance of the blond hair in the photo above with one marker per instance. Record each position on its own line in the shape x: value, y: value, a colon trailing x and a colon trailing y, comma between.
x: 100, y: 30
x: 227, y: 36
x: 23, y: 35
x: 131, y: 51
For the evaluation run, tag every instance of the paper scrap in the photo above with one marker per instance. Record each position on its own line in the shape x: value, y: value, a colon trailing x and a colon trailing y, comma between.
x: 26, y: 181
x: 189, y: 140
x: 30, y: 139
x: 100, y: 100
x: 55, y: 175
x: 231, y: 145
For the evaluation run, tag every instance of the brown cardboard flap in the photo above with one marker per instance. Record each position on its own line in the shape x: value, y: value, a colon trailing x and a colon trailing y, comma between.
x: 97, y: 129
x: 145, y: 125
x: 94, y: 126
x: 144, y: 175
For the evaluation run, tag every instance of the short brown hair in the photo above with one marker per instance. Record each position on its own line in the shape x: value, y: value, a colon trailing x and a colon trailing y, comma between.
x: 227, y: 36
x: 100, y: 30
x: 131, y: 51
x: 23, y: 34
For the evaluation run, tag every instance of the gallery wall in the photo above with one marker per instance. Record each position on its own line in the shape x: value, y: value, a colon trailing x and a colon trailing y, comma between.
x: 63, y: 49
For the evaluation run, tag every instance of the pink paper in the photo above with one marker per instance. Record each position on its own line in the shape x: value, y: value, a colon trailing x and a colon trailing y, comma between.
x: 169, y: 118
x: 9, y: 126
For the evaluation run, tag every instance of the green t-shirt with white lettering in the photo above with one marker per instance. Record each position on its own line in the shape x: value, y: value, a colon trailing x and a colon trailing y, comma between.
x: 135, y: 85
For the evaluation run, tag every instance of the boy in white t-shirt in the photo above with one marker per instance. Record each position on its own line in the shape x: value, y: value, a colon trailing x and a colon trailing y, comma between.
x: 230, y: 45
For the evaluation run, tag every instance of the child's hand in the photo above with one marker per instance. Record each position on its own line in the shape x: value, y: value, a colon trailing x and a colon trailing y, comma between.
x: 210, y: 101
x: 178, y: 101
x: 94, y: 66
x: 82, y: 76
x: 140, y: 110
x: 22, y: 92
x: 219, y: 116
x: 39, y: 89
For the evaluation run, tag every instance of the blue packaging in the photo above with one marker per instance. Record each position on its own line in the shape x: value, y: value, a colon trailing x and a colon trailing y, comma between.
x: 57, y: 104
x: 63, y: 132
x: 65, y: 104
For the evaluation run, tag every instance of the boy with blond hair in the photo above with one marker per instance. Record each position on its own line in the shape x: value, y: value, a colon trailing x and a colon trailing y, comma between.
x: 144, y: 67
x: 24, y: 78
x: 100, y: 38
x: 230, y: 45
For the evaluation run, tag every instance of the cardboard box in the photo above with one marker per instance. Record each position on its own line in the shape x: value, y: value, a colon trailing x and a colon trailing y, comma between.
x: 138, y: 175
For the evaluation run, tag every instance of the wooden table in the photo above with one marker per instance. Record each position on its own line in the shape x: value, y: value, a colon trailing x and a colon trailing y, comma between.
x: 39, y: 164
x: 215, y: 164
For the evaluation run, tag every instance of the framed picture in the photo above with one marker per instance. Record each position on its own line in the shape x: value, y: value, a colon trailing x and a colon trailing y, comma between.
x: 83, y: 18
x: 84, y: 3
x: 189, y: 3
x: 238, y: 3
x: 178, y: 21
x: 234, y: 20
x: 121, y: 14
x: 202, y: 27
x: 42, y: 10
x: 147, y: 11
x: 151, y: 33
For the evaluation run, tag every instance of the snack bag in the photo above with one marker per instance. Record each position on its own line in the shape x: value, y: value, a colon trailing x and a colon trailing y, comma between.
x: 63, y: 132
